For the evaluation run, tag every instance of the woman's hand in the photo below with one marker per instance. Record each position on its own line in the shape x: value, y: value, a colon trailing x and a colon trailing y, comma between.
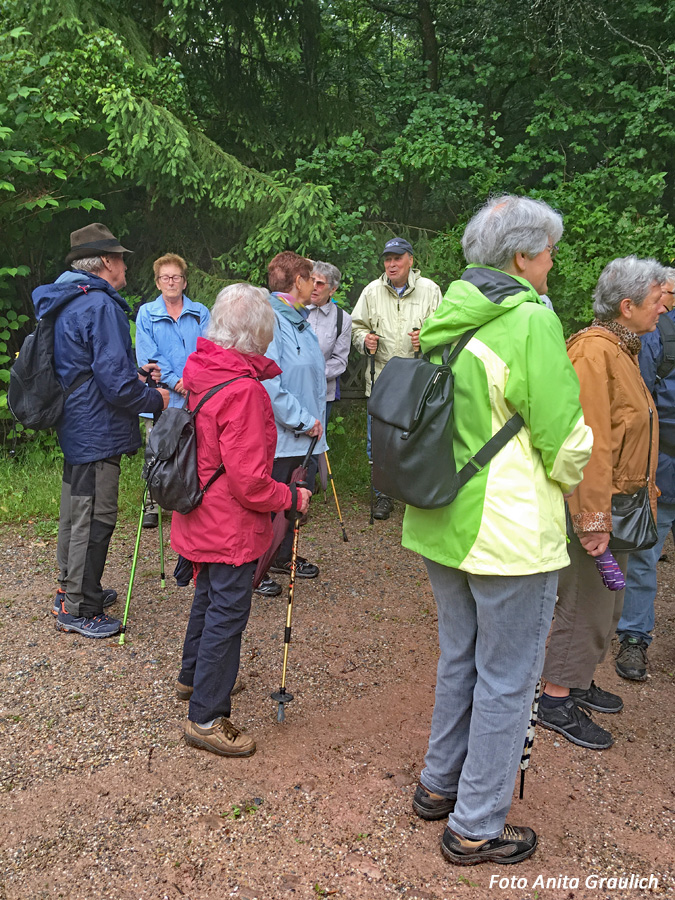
x: 594, y: 542
x: 316, y: 430
x: 304, y: 497
x: 178, y: 387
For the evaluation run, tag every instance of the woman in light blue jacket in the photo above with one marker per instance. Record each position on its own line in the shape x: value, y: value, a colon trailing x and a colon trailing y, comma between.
x: 298, y: 395
x: 167, y: 330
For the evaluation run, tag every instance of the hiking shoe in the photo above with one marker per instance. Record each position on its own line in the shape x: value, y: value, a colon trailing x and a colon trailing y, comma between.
x: 432, y: 806
x: 597, y: 699
x: 383, y: 507
x: 185, y: 691
x: 268, y: 588
x: 631, y: 660
x: 96, y: 627
x: 303, y: 569
x: 575, y: 724
x: 109, y: 597
x: 513, y: 845
x: 221, y: 738
x: 150, y: 520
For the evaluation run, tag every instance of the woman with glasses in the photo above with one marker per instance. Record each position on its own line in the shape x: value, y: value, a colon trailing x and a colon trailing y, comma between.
x: 167, y: 330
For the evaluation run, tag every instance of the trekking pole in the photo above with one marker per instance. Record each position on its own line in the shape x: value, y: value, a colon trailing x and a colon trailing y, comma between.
x: 282, y: 696
x: 372, y: 486
x: 132, y: 576
x: 337, y: 505
x: 162, y: 576
x: 417, y: 352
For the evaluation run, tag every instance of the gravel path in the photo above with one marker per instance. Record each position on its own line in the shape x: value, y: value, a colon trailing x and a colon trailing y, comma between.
x: 100, y: 797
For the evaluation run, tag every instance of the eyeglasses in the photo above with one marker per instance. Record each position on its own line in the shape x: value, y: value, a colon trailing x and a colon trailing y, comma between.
x: 319, y: 284
x: 553, y: 250
x: 170, y: 279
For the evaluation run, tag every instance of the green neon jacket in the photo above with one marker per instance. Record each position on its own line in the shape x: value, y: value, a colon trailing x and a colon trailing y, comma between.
x: 509, y: 518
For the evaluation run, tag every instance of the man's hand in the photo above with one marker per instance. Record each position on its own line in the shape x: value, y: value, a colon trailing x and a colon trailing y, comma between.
x: 151, y: 370
x: 370, y: 342
x: 594, y: 542
x: 304, y: 497
x: 178, y: 387
x: 414, y: 336
x: 165, y: 397
x: 316, y: 430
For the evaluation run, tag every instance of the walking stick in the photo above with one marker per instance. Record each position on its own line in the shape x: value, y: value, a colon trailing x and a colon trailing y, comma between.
x: 337, y: 505
x: 282, y: 696
x: 372, y: 486
x: 132, y: 576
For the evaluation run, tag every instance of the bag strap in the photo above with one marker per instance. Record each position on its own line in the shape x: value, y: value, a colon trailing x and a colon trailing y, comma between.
x: 214, y: 390
x: 79, y: 381
x: 338, y: 322
x: 666, y: 328
x: 479, y: 460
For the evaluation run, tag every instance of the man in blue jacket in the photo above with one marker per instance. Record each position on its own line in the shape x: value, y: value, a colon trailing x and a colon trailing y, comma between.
x: 99, y: 421
x: 657, y: 364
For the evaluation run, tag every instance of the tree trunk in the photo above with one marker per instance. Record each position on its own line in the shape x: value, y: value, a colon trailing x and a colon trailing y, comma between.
x: 429, y: 42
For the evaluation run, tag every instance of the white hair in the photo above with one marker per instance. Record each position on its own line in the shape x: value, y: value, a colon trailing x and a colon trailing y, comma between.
x: 242, y: 319
x: 507, y: 225
x: 625, y: 277
x: 91, y: 264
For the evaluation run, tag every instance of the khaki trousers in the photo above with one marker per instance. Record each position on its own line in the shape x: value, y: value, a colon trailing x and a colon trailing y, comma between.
x: 586, y: 616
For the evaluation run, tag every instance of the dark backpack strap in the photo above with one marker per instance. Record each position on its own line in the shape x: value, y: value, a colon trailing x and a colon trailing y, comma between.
x: 666, y: 328
x: 487, y: 451
x: 79, y: 381
x: 214, y: 390
x: 338, y: 324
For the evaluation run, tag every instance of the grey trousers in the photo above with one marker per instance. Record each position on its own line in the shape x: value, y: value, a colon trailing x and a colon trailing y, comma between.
x: 87, y: 520
x: 586, y: 617
x: 492, y: 633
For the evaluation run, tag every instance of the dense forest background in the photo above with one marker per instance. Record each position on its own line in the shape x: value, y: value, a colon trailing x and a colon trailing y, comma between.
x: 229, y: 130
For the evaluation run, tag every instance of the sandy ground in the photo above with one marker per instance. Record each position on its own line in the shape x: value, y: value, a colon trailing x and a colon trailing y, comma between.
x: 100, y: 797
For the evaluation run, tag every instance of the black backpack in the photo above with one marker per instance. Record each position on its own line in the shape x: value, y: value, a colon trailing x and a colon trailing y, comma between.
x: 412, y: 405
x: 666, y: 328
x: 170, y: 469
x: 35, y: 395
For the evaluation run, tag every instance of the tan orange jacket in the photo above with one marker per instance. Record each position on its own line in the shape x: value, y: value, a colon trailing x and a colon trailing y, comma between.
x: 617, y: 405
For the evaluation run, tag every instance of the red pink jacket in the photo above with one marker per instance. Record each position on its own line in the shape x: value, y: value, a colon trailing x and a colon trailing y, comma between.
x: 235, y: 427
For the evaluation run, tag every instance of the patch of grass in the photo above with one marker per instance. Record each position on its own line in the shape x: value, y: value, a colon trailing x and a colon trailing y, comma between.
x: 347, y: 453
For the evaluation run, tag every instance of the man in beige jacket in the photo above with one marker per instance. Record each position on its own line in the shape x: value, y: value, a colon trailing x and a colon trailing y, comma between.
x: 387, y: 318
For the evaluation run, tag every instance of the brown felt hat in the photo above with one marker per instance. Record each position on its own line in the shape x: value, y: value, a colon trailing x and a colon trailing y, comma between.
x: 93, y: 240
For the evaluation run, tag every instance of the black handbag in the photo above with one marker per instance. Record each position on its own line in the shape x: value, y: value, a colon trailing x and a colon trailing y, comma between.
x: 633, y: 525
x: 411, y: 406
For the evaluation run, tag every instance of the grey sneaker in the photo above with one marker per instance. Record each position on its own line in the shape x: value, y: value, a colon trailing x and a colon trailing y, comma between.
x: 631, y: 660
x: 432, y: 806
x: 383, y: 507
x: 95, y: 627
x: 575, y: 724
x: 597, y: 699
x: 513, y: 845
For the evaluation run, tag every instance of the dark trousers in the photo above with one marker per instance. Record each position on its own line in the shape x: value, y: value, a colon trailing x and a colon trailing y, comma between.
x: 281, y: 471
x: 87, y: 518
x: 219, y: 614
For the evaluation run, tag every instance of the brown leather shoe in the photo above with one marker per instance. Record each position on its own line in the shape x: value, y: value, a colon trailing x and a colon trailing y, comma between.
x: 221, y: 738
x: 184, y: 691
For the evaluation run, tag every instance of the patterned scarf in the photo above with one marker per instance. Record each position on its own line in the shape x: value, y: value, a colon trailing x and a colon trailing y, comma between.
x: 628, y: 338
x: 290, y: 300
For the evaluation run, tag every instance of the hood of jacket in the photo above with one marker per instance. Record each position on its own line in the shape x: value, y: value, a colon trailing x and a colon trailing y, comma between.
x: 212, y: 364
x: 481, y: 295
x: 413, y: 276
x: 597, y: 331
x: 50, y: 298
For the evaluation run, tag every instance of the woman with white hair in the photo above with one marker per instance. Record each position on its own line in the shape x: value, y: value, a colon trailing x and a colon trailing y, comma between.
x: 493, y: 554
x: 226, y: 534
x: 621, y: 411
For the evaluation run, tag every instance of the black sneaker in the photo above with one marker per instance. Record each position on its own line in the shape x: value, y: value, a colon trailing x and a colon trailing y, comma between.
x: 631, y: 660
x: 432, y: 806
x: 109, y: 597
x: 95, y: 627
x: 303, y: 569
x: 268, y: 588
x: 383, y: 507
x: 150, y: 520
x: 597, y: 699
x: 575, y: 724
x: 513, y: 845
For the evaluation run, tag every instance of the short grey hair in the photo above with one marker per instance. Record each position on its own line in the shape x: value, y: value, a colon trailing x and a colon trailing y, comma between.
x: 330, y: 272
x: 91, y: 264
x: 669, y: 275
x: 507, y: 225
x: 625, y: 277
x: 242, y: 319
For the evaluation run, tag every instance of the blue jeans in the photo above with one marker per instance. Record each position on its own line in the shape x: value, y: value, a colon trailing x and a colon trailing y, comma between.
x: 218, y: 617
x: 492, y: 633
x: 637, y: 618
